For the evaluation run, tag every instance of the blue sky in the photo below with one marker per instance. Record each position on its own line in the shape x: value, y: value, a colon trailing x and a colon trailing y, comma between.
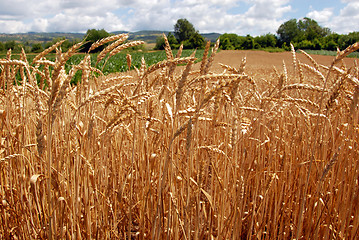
x: 254, y: 17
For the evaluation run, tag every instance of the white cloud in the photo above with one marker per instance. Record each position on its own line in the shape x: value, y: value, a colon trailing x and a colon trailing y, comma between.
x: 346, y: 21
x: 322, y: 16
x: 12, y: 26
x: 348, y: 18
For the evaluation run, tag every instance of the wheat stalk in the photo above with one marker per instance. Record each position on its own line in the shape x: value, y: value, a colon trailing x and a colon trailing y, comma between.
x: 107, y: 40
x: 119, y: 39
x: 181, y: 83
x: 47, y: 51
x: 211, y: 58
x: 316, y: 65
x: 204, y: 58
x: 168, y: 49
x: 345, y: 52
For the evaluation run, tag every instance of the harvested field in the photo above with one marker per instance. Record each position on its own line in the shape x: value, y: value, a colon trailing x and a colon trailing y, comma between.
x: 178, y: 150
x: 261, y: 62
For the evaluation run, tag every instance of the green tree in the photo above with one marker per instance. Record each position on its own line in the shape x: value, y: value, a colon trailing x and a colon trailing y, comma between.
x: 297, y: 31
x: 311, y: 30
x: 37, y: 48
x: 226, y: 44
x: 233, y: 41
x: 196, y: 40
x: 183, y: 30
x: 2, y: 47
x: 92, y: 36
x: 172, y: 40
x: 330, y: 42
x: 345, y: 41
x: 160, y: 42
x: 288, y: 31
x: 268, y: 40
x: 305, y: 44
x: 10, y: 45
x: 248, y: 43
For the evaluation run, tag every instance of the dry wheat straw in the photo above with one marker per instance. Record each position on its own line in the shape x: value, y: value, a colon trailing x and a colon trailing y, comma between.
x: 204, y: 57
x: 120, y: 37
x: 316, y: 65
x: 345, y: 52
x: 211, y: 58
x: 124, y: 158
x: 168, y: 49
x: 314, y: 70
x: 166, y: 63
x: 47, y: 51
x: 179, y: 52
x: 294, y: 57
x: 112, y: 46
x: 124, y: 46
x: 181, y: 84
x: 304, y: 87
x: 62, y: 59
x: 129, y: 61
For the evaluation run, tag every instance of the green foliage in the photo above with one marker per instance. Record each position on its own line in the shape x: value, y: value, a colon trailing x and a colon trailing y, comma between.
x: 10, y: 45
x: 2, y: 47
x: 305, y: 29
x: 183, y: 30
x: 232, y: 41
x: 226, y: 44
x: 248, y: 42
x: 305, y: 44
x: 195, y: 41
x: 92, y: 36
x: 288, y: 31
x: 267, y: 40
x: 184, y: 33
x: 160, y: 42
x: 347, y: 40
x: 172, y: 41
x: 229, y: 41
x: 37, y: 48
x: 310, y: 29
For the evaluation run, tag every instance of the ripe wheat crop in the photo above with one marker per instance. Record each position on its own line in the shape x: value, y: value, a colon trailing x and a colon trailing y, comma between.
x: 174, y: 150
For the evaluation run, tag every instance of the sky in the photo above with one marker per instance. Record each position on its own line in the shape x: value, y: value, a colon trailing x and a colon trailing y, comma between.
x: 254, y: 17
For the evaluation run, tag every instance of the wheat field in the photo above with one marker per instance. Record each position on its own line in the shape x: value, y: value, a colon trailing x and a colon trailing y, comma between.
x: 177, y: 151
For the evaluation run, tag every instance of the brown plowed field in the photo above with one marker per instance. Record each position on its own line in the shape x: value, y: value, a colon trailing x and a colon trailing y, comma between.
x: 261, y: 62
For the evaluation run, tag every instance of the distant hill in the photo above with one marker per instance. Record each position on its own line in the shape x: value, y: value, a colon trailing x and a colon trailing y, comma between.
x: 149, y: 36
x: 38, y: 36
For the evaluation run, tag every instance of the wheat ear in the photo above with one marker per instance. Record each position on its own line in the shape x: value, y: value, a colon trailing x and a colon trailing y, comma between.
x: 204, y: 58
x: 107, y: 40
x: 47, y: 51
x: 122, y: 47
x: 346, y: 52
x: 181, y: 83
x: 168, y: 49
x: 211, y: 58
x: 179, y: 53
x: 316, y: 65
x: 109, y: 48
x: 294, y: 57
x: 129, y: 61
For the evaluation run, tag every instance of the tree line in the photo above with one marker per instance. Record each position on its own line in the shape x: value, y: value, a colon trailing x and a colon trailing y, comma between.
x: 305, y: 33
